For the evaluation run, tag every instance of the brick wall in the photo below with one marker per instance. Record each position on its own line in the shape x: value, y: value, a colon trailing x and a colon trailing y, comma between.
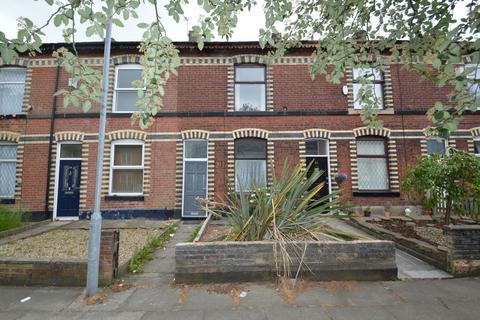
x: 202, y: 86
x: 463, y: 250
x: 239, y: 261
x: 28, y: 272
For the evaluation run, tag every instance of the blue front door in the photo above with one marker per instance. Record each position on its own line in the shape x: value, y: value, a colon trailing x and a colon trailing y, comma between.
x: 68, y: 197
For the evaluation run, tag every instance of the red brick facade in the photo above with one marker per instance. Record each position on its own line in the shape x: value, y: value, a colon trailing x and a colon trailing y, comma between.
x: 197, y: 100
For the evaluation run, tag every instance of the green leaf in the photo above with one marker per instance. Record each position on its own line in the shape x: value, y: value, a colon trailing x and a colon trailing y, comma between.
x: 118, y: 22
x: 143, y: 25
x: 87, y: 105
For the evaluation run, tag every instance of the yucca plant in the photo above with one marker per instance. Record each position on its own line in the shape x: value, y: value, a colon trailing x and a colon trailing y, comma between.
x: 288, y: 208
x: 285, y: 212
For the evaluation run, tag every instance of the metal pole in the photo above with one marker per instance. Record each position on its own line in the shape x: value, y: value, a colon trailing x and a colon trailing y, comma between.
x: 96, y: 219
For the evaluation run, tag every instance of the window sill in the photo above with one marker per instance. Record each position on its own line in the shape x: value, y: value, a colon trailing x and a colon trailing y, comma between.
x: 376, y: 194
x: 7, y: 201
x: 124, y: 198
x: 383, y: 111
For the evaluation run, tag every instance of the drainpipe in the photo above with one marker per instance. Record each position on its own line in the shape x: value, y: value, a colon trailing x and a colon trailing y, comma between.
x: 50, y: 142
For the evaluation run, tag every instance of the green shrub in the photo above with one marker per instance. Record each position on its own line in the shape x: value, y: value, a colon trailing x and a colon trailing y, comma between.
x: 451, y: 180
x: 10, y: 218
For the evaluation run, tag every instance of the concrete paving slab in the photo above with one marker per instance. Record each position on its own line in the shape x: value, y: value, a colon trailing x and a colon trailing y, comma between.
x: 50, y: 316
x: 175, y: 315
x: 48, y: 299
x: 417, y: 291
x: 11, y: 315
x: 114, y: 301
x: 432, y: 311
x: 236, y: 315
x: 464, y: 289
x: 289, y: 313
x: 359, y: 313
x: 126, y: 315
x: 12, y: 295
x: 261, y: 296
x: 200, y: 299
x: 156, y: 299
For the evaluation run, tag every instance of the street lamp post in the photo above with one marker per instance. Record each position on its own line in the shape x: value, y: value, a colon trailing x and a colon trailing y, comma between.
x: 96, y: 219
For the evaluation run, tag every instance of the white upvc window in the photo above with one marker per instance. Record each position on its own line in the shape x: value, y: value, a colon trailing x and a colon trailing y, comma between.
x: 126, y: 168
x: 250, y: 87
x: 126, y: 94
x: 12, y: 87
x: 8, y: 166
x: 374, y: 83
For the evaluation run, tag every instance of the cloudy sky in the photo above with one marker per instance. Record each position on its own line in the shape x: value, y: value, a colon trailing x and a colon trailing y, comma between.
x: 39, y: 11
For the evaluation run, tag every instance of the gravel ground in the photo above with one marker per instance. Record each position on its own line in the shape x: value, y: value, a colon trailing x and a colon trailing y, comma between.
x: 433, y: 234
x: 72, y: 244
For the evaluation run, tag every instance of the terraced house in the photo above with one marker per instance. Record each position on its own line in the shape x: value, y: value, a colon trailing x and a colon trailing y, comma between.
x: 230, y: 118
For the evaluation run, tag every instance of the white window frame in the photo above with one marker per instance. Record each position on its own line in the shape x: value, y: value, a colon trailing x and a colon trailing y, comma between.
x: 185, y: 159
x: 15, y: 82
x: 10, y: 161
x: 264, y: 83
x: 115, y: 89
x: 327, y: 155
x: 120, y: 167
x: 374, y: 82
x: 57, y: 177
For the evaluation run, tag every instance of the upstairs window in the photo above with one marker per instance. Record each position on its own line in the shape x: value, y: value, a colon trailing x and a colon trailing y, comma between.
x: 372, y: 164
x: 250, y: 164
x: 126, y: 170
x: 473, y: 84
x: 8, y: 163
x: 12, y: 87
x: 374, y: 83
x: 126, y: 94
x: 436, y: 146
x: 249, y: 87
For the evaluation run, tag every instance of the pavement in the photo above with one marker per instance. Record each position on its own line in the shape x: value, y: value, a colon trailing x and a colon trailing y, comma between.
x: 152, y: 295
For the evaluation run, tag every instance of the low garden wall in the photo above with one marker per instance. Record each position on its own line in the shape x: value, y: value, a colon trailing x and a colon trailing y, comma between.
x: 25, y: 271
x: 204, y: 262
x: 415, y: 247
x: 463, y: 248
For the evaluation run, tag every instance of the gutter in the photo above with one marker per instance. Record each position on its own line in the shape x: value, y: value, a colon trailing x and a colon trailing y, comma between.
x: 50, y: 142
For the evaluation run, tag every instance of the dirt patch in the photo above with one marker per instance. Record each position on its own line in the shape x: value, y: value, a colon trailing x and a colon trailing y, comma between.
x: 234, y: 290
x: 428, y: 231
x: 333, y: 286
x: 72, y: 244
x: 289, y: 289
x: 216, y: 233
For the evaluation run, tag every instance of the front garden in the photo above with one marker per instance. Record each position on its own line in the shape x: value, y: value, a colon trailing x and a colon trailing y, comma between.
x: 281, y: 231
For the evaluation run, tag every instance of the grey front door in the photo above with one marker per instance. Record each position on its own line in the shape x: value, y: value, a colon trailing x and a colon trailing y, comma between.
x: 194, y: 188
